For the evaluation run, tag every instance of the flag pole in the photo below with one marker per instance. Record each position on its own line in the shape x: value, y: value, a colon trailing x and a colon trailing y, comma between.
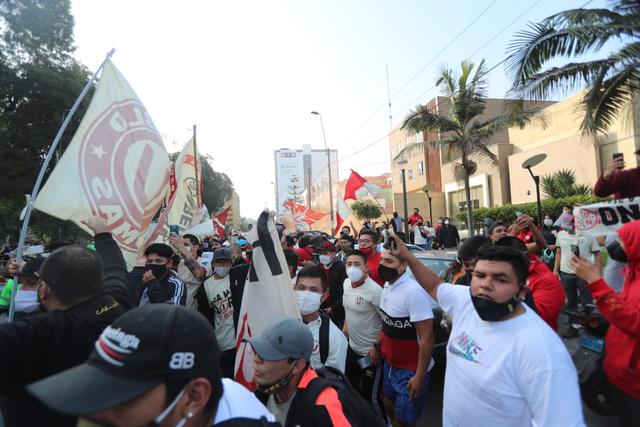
x: 36, y: 188
x: 195, y: 163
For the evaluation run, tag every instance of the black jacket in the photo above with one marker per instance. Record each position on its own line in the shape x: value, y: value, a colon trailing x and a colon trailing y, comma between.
x: 171, y: 289
x: 41, y: 345
x: 337, y: 275
x: 448, y: 236
x: 237, y: 278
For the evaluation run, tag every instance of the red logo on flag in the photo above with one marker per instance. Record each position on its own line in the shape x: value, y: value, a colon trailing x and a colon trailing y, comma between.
x: 117, y: 155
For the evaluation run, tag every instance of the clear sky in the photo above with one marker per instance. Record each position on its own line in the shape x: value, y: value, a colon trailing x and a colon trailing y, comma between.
x: 249, y: 73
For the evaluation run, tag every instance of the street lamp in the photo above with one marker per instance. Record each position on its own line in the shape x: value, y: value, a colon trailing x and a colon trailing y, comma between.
x: 329, y: 169
x: 528, y: 164
x: 404, y: 199
x: 426, y: 189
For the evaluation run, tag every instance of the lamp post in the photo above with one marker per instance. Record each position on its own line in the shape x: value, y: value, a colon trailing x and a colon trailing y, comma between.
x: 331, y: 219
x: 404, y: 199
x: 426, y: 189
x: 528, y: 164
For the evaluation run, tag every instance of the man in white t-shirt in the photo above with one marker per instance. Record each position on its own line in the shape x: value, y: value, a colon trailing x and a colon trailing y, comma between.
x: 155, y: 365
x: 216, y: 304
x: 505, y: 366
x: 575, y: 288
x: 361, y: 301
x: 406, y: 341
x: 311, y: 291
x: 192, y: 269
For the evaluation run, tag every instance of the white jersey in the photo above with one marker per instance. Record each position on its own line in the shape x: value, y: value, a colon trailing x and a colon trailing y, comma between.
x: 337, y: 356
x: 510, y: 373
x: 238, y: 402
x: 361, y: 309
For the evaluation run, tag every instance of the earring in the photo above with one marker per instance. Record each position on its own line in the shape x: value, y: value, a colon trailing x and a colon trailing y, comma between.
x: 189, y: 414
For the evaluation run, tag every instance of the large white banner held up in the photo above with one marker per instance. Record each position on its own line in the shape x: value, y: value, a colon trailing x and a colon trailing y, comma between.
x: 604, y: 218
x: 116, y: 166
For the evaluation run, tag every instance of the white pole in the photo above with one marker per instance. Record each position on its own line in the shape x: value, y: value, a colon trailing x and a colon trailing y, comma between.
x: 36, y: 187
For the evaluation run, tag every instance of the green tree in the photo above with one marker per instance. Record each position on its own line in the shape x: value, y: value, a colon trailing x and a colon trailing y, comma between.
x: 464, y: 133
x: 39, y: 82
x: 611, y: 80
x: 562, y: 184
x: 366, y: 209
x: 216, y: 186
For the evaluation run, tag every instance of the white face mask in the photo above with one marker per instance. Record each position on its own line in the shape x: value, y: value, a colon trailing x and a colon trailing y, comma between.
x: 27, y: 301
x: 221, y: 271
x: 446, y: 222
x: 548, y: 222
x: 308, y: 301
x: 325, y: 260
x: 354, y: 274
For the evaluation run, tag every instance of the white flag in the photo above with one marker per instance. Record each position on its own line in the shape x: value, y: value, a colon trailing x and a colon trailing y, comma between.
x: 116, y: 166
x: 268, y: 295
x: 185, y: 209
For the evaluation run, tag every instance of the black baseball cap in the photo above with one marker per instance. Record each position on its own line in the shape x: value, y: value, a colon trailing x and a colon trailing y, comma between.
x: 143, y: 348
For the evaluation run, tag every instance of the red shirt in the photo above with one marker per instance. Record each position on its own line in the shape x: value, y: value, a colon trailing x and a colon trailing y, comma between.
x: 622, y: 185
x: 415, y: 218
x: 546, y: 290
x: 305, y: 254
x: 526, y: 236
x: 373, y: 262
x: 622, y: 344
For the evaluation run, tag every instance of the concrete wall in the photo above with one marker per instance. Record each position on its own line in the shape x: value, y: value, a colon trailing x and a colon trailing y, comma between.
x: 419, y: 200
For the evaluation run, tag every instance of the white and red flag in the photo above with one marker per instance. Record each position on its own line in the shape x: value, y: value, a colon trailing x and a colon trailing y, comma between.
x: 185, y: 202
x: 116, y: 166
x: 342, y: 213
x: 302, y: 214
x: 220, y: 221
x: 357, y: 187
x: 268, y: 295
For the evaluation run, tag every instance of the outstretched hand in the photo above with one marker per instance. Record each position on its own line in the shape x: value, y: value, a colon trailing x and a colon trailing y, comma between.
x: 97, y: 224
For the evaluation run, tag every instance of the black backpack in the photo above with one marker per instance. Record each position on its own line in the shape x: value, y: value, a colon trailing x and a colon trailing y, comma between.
x: 357, y: 410
x: 248, y: 422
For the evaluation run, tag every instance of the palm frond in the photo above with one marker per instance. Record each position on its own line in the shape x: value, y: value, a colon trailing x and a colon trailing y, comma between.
x: 421, y: 118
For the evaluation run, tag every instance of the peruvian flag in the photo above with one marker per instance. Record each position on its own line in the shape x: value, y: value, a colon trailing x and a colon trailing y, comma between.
x: 342, y: 212
x: 220, y: 220
x: 357, y: 187
x: 302, y: 214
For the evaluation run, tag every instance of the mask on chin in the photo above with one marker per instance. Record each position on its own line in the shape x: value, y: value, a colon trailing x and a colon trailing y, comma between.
x: 367, y: 251
x: 491, y: 311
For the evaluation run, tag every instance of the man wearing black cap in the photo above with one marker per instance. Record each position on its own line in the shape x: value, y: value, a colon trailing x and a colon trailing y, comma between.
x: 215, y: 302
x: 81, y: 292
x: 155, y: 365
x: 283, y: 374
x: 155, y: 282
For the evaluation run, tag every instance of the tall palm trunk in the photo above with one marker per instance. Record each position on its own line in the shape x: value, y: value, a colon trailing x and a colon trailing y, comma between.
x: 467, y: 193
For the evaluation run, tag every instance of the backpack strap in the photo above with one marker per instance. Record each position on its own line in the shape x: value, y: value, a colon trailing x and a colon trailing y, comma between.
x: 324, y: 337
x: 247, y: 422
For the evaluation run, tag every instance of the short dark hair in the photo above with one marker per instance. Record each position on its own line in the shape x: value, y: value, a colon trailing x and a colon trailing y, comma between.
x: 518, y: 261
x: 313, y: 272
x: 346, y: 226
x: 194, y: 239
x: 292, y: 257
x: 567, y: 206
x: 174, y: 387
x: 176, y: 259
x: 356, y: 252
x: 303, y: 241
x: 496, y: 225
x: 159, y: 249
x: 73, y: 273
x: 373, y: 234
x: 512, y: 242
x: 470, y: 248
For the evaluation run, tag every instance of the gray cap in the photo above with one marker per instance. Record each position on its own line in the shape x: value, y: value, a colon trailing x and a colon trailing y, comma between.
x: 222, y: 253
x: 288, y: 338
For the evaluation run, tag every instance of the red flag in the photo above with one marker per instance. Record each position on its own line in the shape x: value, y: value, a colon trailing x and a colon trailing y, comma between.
x: 220, y: 221
x: 302, y: 214
x: 357, y: 187
x: 342, y: 212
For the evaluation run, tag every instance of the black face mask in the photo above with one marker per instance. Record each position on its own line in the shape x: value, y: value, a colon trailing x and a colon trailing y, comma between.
x: 158, y: 270
x: 387, y: 274
x: 493, y: 311
x: 617, y: 253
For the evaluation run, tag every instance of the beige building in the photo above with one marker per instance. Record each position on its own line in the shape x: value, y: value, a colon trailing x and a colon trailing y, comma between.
x: 566, y: 147
x: 233, y: 219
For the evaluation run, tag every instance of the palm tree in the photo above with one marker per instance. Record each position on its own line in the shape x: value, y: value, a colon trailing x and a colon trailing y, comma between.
x: 562, y: 184
x: 462, y: 132
x: 611, y: 80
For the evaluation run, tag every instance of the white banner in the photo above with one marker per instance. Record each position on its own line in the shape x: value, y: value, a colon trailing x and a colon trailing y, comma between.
x: 185, y: 209
x: 604, y: 218
x: 268, y: 295
x: 116, y: 166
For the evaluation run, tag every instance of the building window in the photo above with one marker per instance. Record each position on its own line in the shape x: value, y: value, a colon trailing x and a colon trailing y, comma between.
x: 406, y: 142
x: 410, y: 172
x: 420, y: 168
x: 419, y: 137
